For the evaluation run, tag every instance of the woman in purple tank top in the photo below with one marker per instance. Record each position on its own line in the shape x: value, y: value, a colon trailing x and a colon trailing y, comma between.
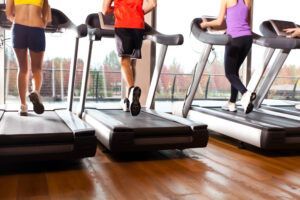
x: 237, y: 14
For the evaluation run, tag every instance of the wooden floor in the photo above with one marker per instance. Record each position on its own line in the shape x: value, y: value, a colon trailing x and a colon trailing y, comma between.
x: 220, y: 171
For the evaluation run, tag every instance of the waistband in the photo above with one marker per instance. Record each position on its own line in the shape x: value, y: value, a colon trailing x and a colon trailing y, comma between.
x: 27, y: 27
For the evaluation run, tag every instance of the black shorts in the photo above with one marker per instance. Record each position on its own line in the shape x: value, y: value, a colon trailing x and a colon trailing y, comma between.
x: 129, y: 42
x: 26, y: 37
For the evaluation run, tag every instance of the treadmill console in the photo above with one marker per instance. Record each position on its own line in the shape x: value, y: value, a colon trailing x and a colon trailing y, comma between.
x: 107, y: 21
x: 279, y: 27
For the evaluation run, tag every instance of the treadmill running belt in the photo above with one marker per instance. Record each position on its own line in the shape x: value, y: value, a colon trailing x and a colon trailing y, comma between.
x: 143, y: 120
x: 265, y: 118
x: 33, y: 128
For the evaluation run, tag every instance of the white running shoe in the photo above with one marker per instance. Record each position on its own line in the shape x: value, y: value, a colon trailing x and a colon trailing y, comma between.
x: 125, y: 104
x: 247, y: 100
x: 134, y: 99
x: 23, y: 110
x: 229, y: 106
x: 38, y: 106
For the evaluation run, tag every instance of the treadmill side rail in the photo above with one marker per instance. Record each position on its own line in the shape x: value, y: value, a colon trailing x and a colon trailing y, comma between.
x: 74, y: 122
x: 1, y: 114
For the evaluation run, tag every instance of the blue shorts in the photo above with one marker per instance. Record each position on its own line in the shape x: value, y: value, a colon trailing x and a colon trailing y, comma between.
x: 26, y: 37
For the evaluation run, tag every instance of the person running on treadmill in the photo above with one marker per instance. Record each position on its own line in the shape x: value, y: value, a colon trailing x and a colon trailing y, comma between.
x: 238, y: 27
x: 29, y: 18
x: 129, y: 30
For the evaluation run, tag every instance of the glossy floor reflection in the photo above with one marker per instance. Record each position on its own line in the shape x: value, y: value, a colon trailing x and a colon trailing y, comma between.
x: 220, y: 171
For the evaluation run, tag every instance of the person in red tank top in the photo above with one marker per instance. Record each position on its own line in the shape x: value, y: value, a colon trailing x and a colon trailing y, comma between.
x: 129, y: 31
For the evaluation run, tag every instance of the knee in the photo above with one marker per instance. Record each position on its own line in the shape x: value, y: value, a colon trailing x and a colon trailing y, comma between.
x: 23, y: 70
x: 228, y: 76
x: 36, y: 71
x: 125, y: 62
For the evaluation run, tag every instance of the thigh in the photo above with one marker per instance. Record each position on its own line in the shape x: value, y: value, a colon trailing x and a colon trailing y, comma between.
x: 124, y: 42
x: 19, y: 36
x: 37, y: 39
x: 22, y: 57
x: 36, y: 59
x: 137, y: 35
x: 129, y: 42
x: 245, y: 44
x: 230, y: 59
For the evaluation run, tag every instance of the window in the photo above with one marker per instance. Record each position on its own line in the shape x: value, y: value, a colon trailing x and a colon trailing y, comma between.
x: 286, y: 85
x: 175, y: 17
x: 2, y: 37
x: 105, y: 77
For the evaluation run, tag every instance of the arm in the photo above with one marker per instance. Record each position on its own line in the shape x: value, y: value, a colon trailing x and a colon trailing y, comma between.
x: 293, y: 32
x: 10, y: 10
x: 219, y: 20
x: 46, y: 12
x: 107, y: 7
x: 249, y: 4
x: 149, y: 5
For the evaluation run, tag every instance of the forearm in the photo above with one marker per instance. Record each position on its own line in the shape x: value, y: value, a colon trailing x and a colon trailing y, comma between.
x: 217, y: 22
x: 10, y: 16
x: 149, y: 5
x: 107, y: 7
x: 213, y: 23
x: 10, y: 10
x: 46, y: 12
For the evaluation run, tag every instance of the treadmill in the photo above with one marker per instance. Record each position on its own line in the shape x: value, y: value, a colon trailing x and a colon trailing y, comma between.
x: 120, y: 132
x: 263, y: 130
x: 274, y: 28
x: 54, y: 135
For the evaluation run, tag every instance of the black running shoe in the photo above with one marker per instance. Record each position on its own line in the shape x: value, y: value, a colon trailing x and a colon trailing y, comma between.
x: 247, y: 100
x: 134, y: 99
x: 38, y: 106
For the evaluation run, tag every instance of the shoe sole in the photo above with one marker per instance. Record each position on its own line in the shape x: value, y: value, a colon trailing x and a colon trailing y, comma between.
x: 38, y: 107
x: 23, y: 114
x: 226, y: 109
x: 135, y: 106
x: 250, y: 105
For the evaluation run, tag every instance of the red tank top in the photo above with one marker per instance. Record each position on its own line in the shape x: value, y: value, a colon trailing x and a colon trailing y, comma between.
x: 129, y: 14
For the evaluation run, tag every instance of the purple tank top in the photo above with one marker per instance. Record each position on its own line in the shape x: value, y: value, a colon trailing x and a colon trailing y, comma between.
x: 236, y: 20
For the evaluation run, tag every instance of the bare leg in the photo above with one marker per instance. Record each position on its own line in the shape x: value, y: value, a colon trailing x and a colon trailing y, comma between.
x: 133, y: 64
x: 36, y: 67
x: 37, y: 79
x: 127, y: 72
x: 22, y: 73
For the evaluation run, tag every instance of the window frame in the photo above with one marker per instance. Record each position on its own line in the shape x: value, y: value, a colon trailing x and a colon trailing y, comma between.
x: 2, y: 66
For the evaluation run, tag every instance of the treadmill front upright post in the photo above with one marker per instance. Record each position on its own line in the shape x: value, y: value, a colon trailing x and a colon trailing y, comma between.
x: 196, y: 80
x: 85, y: 78
x: 72, y: 77
x: 258, y: 73
x: 155, y: 77
x: 272, y: 74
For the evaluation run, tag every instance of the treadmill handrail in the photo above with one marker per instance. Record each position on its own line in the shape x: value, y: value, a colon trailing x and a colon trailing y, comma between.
x: 277, y: 42
x: 96, y: 32
x: 203, y: 36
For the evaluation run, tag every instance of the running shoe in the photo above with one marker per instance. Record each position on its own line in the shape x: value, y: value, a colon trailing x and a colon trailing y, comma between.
x: 247, y: 100
x: 38, y: 106
x: 134, y: 99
